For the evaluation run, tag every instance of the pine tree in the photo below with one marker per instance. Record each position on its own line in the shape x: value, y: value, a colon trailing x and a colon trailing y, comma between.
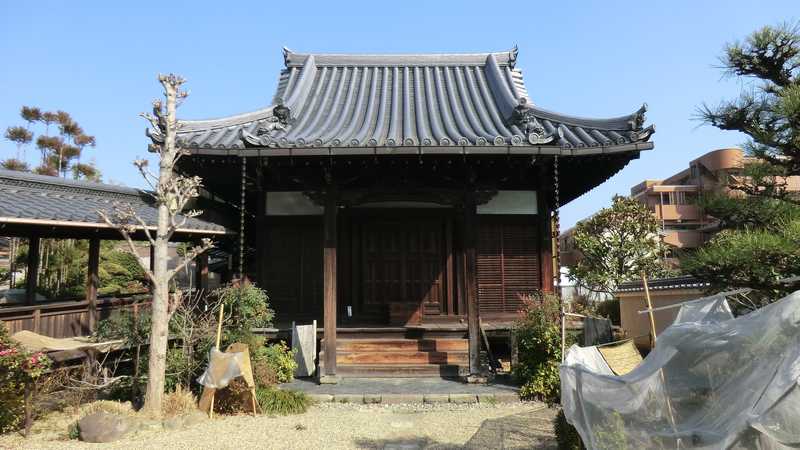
x: 759, y: 241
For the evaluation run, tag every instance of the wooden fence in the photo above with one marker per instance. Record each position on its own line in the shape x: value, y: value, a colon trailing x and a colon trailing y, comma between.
x: 66, y: 318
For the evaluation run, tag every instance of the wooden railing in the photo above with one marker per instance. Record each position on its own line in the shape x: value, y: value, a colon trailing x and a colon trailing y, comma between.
x: 66, y: 318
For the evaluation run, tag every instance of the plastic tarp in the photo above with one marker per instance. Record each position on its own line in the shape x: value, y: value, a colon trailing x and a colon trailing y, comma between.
x: 711, y: 382
x: 39, y: 343
x: 224, y: 367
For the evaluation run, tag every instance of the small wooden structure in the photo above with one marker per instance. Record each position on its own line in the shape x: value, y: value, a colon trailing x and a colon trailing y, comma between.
x: 36, y: 207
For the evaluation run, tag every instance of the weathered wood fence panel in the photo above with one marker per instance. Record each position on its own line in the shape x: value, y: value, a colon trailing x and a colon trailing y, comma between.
x: 62, y: 319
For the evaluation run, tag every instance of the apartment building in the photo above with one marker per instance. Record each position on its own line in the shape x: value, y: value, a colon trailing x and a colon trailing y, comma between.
x: 673, y: 201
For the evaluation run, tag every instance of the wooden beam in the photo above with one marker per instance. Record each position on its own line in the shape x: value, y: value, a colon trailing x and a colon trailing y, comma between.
x: 31, y: 277
x: 93, y: 281
x: 471, y: 280
x: 329, y: 283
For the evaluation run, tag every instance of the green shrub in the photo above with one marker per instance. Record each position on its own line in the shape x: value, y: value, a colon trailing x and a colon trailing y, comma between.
x: 246, y: 306
x: 73, y: 431
x: 538, y: 334
x: 281, y: 402
x: 566, y: 435
x: 280, y: 359
x: 610, y: 435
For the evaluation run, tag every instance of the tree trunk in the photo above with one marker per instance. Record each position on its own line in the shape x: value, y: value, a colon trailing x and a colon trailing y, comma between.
x: 160, y: 321
x: 160, y: 308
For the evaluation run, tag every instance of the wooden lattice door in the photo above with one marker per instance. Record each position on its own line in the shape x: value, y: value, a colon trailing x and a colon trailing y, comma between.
x: 402, y: 269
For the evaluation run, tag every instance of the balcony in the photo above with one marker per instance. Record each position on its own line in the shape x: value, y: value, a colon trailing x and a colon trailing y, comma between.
x: 683, y: 238
x: 678, y: 212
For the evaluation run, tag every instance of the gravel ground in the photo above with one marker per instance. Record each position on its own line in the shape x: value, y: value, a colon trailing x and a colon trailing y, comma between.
x: 336, y: 426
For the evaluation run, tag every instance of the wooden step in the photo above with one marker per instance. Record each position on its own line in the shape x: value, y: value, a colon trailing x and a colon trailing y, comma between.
x: 391, y: 345
x: 395, y: 370
x: 401, y: 357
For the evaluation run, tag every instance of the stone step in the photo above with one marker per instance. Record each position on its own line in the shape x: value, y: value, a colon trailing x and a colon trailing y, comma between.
x: 390, y: 345
x: 402, y: 357
x: 399, y: 370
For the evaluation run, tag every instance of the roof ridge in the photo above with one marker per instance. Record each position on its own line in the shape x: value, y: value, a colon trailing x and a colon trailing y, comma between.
x: 76, y: 185
x: 297, y: 59
x: 218, y: 122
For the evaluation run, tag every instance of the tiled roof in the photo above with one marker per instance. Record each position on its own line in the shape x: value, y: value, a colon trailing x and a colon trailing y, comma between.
x: 681, y: 282
x: 39, y: 199
x: 430, y: 101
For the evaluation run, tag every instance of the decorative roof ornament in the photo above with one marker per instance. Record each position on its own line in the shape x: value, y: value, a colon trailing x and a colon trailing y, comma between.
x: 286, y: 53
x: 512, y: 56
x: 637, y: 120
x: 281, y: 112
x: 525, y: 118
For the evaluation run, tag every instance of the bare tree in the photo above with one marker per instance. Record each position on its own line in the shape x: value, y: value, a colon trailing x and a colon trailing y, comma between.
x: 171, y: 192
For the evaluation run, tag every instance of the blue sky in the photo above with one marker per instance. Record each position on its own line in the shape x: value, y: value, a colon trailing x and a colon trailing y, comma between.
x: 98, y: 61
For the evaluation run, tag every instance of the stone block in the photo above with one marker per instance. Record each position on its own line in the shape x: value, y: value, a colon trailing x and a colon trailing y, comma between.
x: 506, y: 397
x: 435, y: 398
x: 397, y: 399
x: 329, y: 379
x: 321, y: 398
x: 349, y: 398
x: 372, y: 398
x: 487, y: 398
x: 463, y: 398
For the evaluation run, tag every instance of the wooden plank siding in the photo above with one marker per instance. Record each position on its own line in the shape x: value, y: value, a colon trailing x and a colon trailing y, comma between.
x: 508, y: 261
x: 292, y: 267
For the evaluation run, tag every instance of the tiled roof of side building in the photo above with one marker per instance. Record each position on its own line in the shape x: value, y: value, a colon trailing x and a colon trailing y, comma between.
x: 27, y: 198
x: 679, y: 282
x: 414, y: 100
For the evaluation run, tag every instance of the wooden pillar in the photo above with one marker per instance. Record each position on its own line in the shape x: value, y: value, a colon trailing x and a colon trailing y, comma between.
x: 471, y: 280
x: 261, y: 237
x: 31, y: 277
x: 329, y: 285
x: 93, y: 281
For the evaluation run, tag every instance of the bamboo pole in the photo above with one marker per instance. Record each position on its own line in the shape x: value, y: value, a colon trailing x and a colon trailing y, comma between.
x: 219, y: 336
x: 651, y: 314
x: 650, y: 308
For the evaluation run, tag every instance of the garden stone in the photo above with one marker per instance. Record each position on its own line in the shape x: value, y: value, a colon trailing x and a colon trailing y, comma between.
x: 103, y: 427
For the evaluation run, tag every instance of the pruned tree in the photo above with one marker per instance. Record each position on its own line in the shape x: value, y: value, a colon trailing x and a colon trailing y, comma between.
x: 20, y: 136
x: 59, y: 154
x: 171, y: 193
x: 616, y: 245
